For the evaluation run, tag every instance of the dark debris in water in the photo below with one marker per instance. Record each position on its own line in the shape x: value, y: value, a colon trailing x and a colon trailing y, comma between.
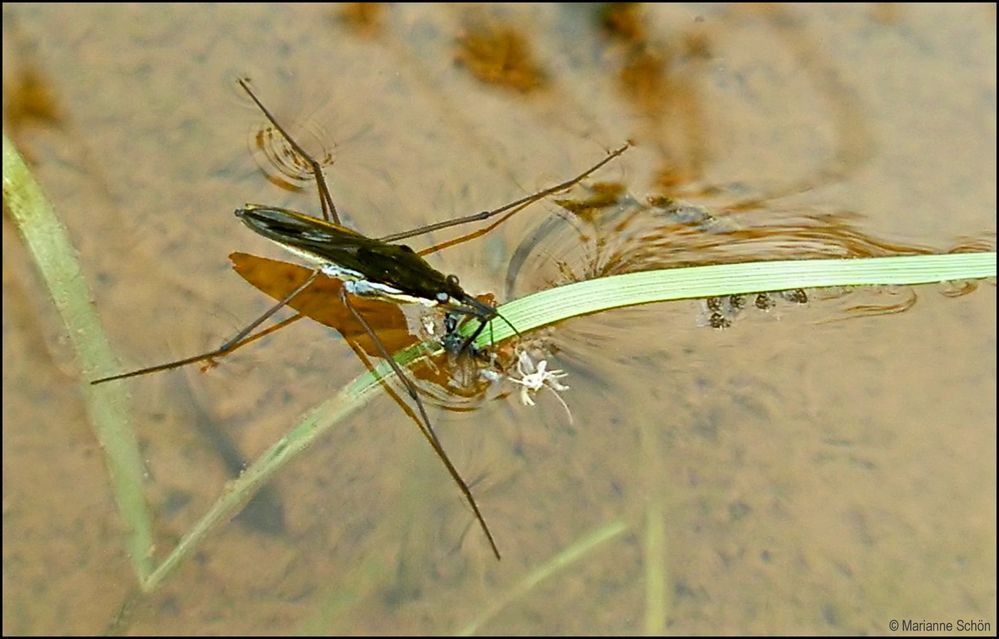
x: 720, y: 312
x: 500, y: 54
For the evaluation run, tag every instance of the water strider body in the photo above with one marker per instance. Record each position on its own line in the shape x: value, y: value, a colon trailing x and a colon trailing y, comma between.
x: 367, y: 267
x: 370, y: 268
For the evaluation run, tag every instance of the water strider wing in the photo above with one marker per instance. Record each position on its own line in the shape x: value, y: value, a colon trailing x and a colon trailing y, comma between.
x: 320, y: 302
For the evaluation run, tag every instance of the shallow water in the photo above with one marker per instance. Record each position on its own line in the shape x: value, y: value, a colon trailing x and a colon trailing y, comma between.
x: 788, y: 474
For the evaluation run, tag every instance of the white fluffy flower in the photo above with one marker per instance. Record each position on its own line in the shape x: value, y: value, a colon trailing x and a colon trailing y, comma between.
x: 535, y: 377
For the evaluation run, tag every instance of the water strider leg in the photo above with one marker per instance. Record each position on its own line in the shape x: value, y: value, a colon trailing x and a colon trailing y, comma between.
x: 231, y: 344
x: 485, y: 215
x: 325, y: 199
x: 425, y: 428
x: 478, y: 330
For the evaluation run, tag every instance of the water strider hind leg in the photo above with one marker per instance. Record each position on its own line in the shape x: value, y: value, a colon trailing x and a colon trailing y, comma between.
x: 425, y: 428
x: 241, y: 338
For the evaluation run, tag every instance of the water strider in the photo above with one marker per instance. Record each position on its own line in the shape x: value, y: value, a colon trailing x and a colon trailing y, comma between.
x: 374, y: 269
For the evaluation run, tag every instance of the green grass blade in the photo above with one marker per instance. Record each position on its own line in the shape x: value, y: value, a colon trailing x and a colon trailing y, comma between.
x: 238, y: 491
x: 582, y: 298
x: 656, y: 586
x: 573, y: 553
x: 48, y: 241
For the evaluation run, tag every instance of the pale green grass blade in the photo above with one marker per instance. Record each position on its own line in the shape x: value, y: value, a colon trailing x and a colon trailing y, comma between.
x: 581, y: 298
x: 238, y: 491
x: 50, y: 246
x: 656, y: 587
x: 564, y: 559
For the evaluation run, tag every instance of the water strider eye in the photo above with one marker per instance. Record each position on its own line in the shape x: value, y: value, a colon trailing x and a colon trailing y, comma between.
x: 452, y: 280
